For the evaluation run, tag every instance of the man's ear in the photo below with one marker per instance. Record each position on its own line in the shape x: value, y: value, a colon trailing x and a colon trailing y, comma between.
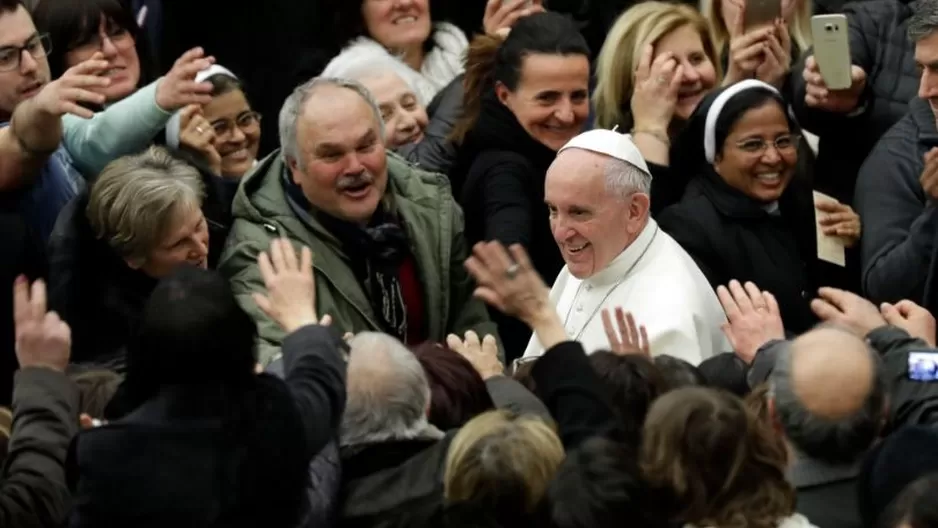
x: 639, y: 204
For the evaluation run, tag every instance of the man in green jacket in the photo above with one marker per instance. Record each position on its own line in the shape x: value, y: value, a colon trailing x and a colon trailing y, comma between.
x: 387, y: 238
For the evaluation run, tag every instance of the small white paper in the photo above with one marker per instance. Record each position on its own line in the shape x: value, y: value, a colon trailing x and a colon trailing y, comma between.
x: 829, y: 248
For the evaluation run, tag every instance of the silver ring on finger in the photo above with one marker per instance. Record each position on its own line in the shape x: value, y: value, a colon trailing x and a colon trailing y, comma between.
x: 200, y: 130
x: 662, y: 80
x: 512, y: 271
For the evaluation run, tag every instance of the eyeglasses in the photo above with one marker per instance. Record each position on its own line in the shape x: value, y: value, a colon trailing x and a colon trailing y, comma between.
x: 758, y: 146
x: 119, y: 37
x: 11, y: 56
x: 246, y: 122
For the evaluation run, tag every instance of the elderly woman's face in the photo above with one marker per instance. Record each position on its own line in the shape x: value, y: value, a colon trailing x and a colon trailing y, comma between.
x: 759, y: 155
x: 120, y: 50
x: 185, y: 241
x: 404, y: 117
x: 699, y: 74
x: 237, y: 132
x: 397, y: 24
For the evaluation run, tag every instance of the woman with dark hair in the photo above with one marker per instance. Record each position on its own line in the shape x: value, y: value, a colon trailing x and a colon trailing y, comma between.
x: 717, y: 462
x: 107, y: 29
x: 526, y: 96
x: 457, y: 392
x: 203, y: 440
x: 749, y: 215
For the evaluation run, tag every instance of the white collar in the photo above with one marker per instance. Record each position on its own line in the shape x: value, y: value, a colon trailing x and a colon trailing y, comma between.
x: 624, y: 262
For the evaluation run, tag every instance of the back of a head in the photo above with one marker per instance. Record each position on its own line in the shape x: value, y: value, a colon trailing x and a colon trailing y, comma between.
x: 642, y: 24
x: 491, y: 59
x: 633, y: 382
x: 829, y: 395
x: 599, y: 485
x: 678, y: 373
x: 388, y: 392
x: 704, y: 448
x: 457, y: 391
x: 193, y: 333
x: 909, y: 454
x: 502, y: 464
x: 916, y: 507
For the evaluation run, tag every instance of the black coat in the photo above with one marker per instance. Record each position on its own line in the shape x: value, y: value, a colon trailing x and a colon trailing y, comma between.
x: 499, y: 177
x: 900, y: 223
x: 240, y: 461
x: 880, y: 45
x: 730, y: 236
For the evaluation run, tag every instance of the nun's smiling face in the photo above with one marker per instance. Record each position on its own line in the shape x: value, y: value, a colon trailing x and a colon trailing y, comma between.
x: 759, y: 155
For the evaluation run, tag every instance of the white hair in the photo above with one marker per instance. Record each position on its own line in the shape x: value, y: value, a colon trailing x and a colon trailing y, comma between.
x: 388, y: 392
x: 365, y: 61
x: 296, y: 101
x: 623, y: 178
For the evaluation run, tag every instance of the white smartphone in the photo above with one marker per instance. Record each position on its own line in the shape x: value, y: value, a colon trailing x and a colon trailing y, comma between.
x: 832, y: 50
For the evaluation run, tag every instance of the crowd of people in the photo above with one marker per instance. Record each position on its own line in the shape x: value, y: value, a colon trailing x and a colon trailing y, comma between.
x: 479, y: 264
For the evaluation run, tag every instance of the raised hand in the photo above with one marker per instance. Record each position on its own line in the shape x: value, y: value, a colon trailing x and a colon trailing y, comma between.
x: 508, y: 282
x: 848, y: 310
x: 747, y: 49
x: 42, y: 338
x: 482, y: 354
x: 654, y: 97
x: 501, y: 15
x: 776, y: 59
x: 291, y: 288
x: 178, y: 88
x: 818, y: 95
x: 80, y: 84
x: 198, y: 135
x: 625, y: 337
x: 840, y: 220
x: 753, y: 318
x: 915, y: 320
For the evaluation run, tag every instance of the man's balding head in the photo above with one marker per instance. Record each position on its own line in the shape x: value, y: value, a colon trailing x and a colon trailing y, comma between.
x: 829, y: 395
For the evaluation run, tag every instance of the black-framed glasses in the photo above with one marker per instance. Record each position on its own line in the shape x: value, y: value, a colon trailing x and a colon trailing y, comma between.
x: 785, y: 143
x: 246, y: 122
x: 38, y: 46
x: 119, y: 37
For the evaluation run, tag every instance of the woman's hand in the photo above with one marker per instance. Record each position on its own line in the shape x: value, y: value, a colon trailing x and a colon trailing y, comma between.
x: 747, y: 49
x: 776, y: 63
x: 625, y: 337
x: 291, y: 288
x: 198, y: 135
x: 655, y: 94
x: 501, y: 15
x: 482, y: 354
x: 840, y: 220
x: 178, y: 87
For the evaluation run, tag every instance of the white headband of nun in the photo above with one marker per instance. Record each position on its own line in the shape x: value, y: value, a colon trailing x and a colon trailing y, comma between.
x: 710, y: 132
x: 173, y: 125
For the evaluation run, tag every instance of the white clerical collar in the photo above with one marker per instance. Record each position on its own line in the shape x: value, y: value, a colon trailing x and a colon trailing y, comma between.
x: 626, y: 260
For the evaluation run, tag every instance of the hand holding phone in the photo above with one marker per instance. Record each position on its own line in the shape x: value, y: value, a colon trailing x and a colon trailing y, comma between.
x: 832, y: 82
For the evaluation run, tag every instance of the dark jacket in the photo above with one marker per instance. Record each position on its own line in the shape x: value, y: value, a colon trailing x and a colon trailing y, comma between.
x: 33, y: 490
x: 22, y: 255
x: 500, y: 175
x: 166, y: 464
x: 878, y: 44
x: 730, y: 236
x: 436, y: 153
x: 900, y: 223
x: 93, y: 290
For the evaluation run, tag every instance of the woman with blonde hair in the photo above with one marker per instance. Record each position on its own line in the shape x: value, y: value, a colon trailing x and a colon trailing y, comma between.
x: 657, y: 64
x: 499, y: 467
x: 718, y: 462
x: 765, y: 53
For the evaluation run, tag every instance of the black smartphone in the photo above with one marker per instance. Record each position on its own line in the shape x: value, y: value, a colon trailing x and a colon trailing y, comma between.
x: 923, y: 365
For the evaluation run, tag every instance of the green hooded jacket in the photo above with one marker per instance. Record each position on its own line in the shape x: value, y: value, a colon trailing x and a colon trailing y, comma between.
x: 434, y: 226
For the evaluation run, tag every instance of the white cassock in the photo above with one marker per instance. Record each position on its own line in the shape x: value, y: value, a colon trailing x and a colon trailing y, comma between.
x: 656, y: 280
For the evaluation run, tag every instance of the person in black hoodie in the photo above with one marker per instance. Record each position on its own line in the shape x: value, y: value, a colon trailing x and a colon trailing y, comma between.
x: 747, y: 216
x: 525, y: 98
x: 141, y: 220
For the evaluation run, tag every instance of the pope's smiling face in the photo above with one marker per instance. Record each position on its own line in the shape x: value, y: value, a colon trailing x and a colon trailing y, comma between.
x: 591, y: 223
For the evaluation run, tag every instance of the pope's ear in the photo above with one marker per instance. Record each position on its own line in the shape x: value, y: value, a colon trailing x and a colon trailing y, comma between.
x: 639, y: 206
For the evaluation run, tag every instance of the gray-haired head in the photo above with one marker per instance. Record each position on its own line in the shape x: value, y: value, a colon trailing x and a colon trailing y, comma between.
x: 924, y: 19
x: 623, y: 178
x: 388, y: 392
x: 295, y: 103
x: 818, y: 366
x: 362, y: 62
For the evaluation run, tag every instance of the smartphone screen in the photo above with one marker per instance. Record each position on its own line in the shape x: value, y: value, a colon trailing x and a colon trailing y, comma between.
x: 923, y: 366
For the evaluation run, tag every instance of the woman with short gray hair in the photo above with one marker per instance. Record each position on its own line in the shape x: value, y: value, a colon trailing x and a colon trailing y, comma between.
x: 141, y: 220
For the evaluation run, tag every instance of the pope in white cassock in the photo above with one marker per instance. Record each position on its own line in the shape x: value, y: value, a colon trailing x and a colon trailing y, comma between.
x: 597, y: 192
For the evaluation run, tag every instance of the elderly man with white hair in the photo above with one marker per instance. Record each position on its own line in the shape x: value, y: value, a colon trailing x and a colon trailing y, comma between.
x: 598, y: 194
